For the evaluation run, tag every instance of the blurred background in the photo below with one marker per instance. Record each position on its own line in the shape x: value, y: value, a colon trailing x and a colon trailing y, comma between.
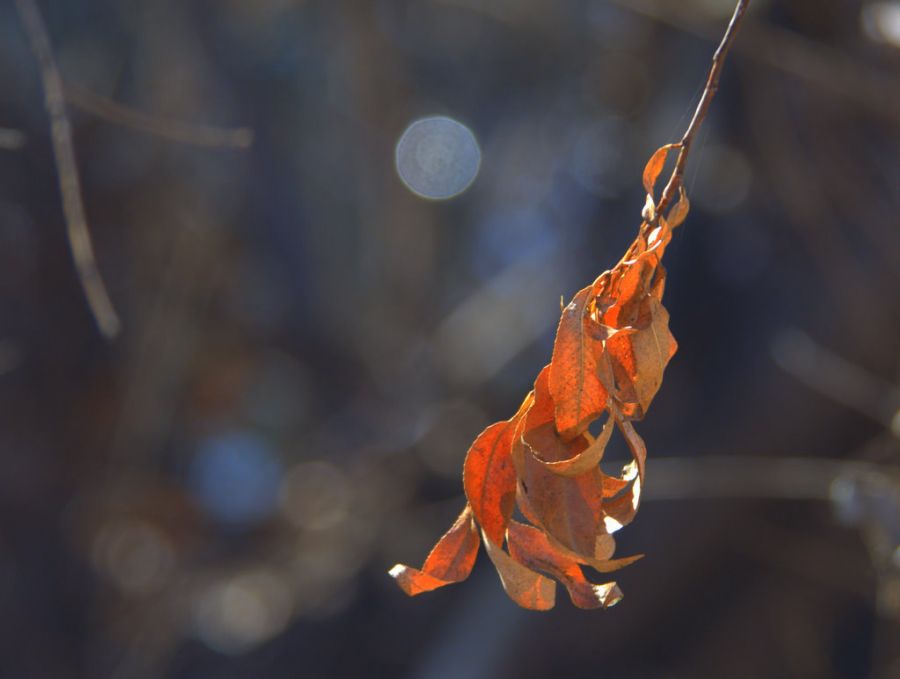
x: 323, y: 301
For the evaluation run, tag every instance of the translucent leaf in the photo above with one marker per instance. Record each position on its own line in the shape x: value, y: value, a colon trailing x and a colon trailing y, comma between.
x: 450, y: 561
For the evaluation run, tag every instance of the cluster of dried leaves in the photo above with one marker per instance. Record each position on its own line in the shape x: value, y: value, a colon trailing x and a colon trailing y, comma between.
x: 611, y: 348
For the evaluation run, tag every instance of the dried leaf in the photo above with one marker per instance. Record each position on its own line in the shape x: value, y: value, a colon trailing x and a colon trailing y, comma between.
x: 611, y: 349
x: 612, y: 346
x: 639, y: 358
x: 527, y: 588
x: 568, y: 508
x: 575, y: 383
x: 559, y: 458
x: 604, y: 546
x: 679, y: 211
x: 489, y: 478
x: 622, y: 510
x: 567, y: 458
x: 655, y: 165
x: 530, y: 547
x: 449, y: 562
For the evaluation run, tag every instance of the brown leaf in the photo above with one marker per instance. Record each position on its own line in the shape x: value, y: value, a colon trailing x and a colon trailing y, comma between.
x: 575, y: 384
x: 567, y: 458
x: 639, y: 358
x: 568, y: 508
x: 449, y: 562
x: 489, y: 478
x: 622, y: 510
x: 604, y: 547
x: 530, y: 547
x: 541, y: 409
x: 620, y: 301
x: 527, y: 588
x: 584, y: 455
x: 611, y: 349
x: 654, y: 167
x: 679, y: 211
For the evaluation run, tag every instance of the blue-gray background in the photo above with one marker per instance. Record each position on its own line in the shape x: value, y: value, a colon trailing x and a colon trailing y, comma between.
x: 309, y: 347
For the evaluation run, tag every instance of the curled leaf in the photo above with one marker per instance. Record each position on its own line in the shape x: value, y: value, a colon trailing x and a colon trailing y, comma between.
x: 564, y: 460
x: 575, y: 382
x: 612, y: 346
x: 604, y: 545
x: 449, y: 562
x: 679, y: 211
x: 567, y: 458
x: 568, y: 508
x: 655, y: 165
x: 489, y: 478
x: 621, y: 511
x: 639, y: 358
x: 530, y: 547
x: 527, y: 588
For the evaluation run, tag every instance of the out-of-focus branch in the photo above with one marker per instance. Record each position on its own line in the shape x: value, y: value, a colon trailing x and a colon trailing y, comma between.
x: 185, y: 133
x: 786, y: 478
x: 67, y: 170
x: 837, y: 378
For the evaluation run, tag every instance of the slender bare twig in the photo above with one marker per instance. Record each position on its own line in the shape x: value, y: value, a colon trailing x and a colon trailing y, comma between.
x: 176, y: 130
x: 67, y: 170
x: 835, y: 377
x: 829, y: 70
x: 712, y: 85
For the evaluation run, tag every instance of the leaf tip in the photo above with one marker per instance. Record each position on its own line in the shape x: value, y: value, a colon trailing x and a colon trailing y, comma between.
x: 609, y: 594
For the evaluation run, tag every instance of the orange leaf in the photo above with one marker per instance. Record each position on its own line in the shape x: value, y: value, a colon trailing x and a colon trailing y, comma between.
x: 655, y: 165
x: 611, y: 348
x: 542, y: 409
x: 530, y: 547
x: 449, y: 562
x: 567, y: 458
x: 527, y: 588
x: 639, y: 358
x: 572, y: 459
x: 604, y: 547
x: 568, y: 508
x: 489, y: 478
x: 575, y: 384
x: 679, y: 211
x: 622, y: 510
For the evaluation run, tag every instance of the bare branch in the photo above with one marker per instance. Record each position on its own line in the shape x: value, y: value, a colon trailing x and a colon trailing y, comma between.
x: 831, y: 71
x: 712, y: 85
x: 175, y: 130
x: 67, y: 171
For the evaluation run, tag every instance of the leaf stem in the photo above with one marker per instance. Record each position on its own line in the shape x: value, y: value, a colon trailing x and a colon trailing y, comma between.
x: 712, y: 85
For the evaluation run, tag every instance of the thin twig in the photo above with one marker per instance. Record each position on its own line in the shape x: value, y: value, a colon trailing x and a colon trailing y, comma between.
x: 67, y: 170
x: 176, y: 130
x: 844, y: 382
x: 712, y: 85
x: 831, y: 71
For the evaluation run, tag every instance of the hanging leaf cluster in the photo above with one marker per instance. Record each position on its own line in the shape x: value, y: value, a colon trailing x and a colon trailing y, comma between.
x: 612, y: 346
